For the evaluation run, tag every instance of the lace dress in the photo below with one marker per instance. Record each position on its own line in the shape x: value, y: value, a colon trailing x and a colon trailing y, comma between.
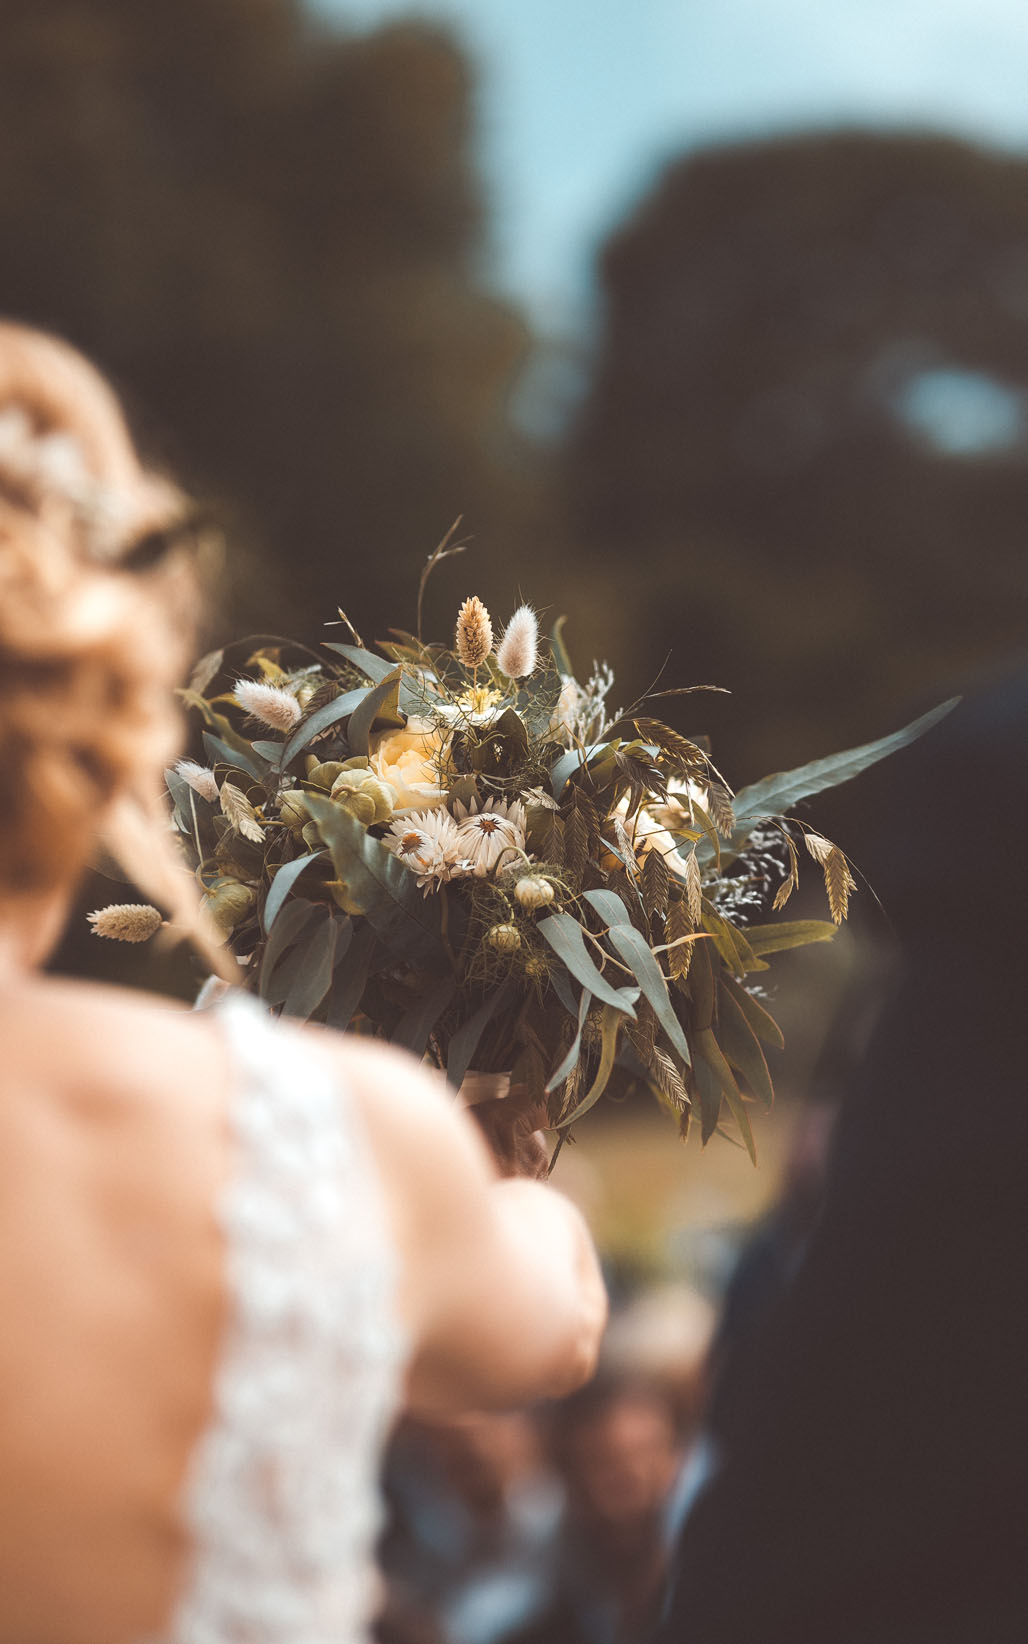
x: 283, y: 1504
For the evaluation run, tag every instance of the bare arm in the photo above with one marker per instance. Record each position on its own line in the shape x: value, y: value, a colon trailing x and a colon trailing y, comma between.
x: 500, y: 1286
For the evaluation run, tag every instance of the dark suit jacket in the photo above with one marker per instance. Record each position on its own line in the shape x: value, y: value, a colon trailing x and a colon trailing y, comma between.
x: 875, y: 1483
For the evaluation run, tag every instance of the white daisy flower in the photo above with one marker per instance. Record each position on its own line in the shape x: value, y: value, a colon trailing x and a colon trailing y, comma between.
x: 427, y: 844
x: 485, y: 837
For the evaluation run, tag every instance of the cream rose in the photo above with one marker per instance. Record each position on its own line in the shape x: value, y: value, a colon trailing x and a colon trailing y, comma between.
x: 411, y: 761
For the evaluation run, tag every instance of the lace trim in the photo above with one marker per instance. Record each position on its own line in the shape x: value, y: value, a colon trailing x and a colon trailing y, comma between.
x: 283, y: 1502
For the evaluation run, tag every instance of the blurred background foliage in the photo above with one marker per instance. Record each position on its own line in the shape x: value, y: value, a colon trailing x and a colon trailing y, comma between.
x: 796, y: 455
x: 798, y: 463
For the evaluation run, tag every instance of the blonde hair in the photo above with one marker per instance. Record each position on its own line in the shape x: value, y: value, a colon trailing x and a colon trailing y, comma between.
x: 90, y: 648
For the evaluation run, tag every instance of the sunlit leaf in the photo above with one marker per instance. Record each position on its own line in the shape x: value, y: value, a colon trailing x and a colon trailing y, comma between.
x: 795, y: 933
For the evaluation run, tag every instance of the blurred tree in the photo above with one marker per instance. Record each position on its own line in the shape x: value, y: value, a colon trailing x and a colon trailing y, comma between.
x: 268, y: 234
x: 808, y: 421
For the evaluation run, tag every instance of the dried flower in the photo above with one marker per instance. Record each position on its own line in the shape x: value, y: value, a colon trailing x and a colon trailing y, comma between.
x: 241, y: 814
x: 518, y: 652
x: 533, y: 892
x: 426, y: 843
x: 273, y: 706
x: 484, y: 837
x: 474, y: 633
x: 126, y: 921
x: 200, y: 778
x: 503, y: 938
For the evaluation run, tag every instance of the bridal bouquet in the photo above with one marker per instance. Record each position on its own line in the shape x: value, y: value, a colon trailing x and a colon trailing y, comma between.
x: 464, y: 850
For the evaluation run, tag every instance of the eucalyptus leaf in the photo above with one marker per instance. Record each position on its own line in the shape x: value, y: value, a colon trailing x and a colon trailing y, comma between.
x: 464, y: 1043
x: 376, y: 667
x: 380, y: 887
x: 416, y: 1024
x: 707, y: 1086
x: 271, y: 751
x: 762, y: 1024
x: 563, y: 1071
x: 635, y: 951
x: 350, y: 978
x: 283, y: 883
x: 314, y: 975
x: 741, y: 1046
x: 560, y: 654
x: 566, y: 766
x: 795, y: 933
x: 380, y: 702
x: 775, y: 795
x: 564, y: 934
x: 608, y: 905
x: 341, y: 707
x: 288, y: 926
x: 611, y: 1021
x: 710, y: 1051
x: 219, y: 753
x: 561, y: 983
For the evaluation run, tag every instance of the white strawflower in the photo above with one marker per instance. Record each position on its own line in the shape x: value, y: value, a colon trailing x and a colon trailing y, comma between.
x: 485, y: 837
x: 200, y: 778
x: 427, y: 844
x: 126, y: 921
x: 274, y: 707
x: 518, y: 651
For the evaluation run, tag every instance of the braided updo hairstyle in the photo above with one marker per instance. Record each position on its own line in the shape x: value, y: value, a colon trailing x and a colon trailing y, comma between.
x: 93, y: 636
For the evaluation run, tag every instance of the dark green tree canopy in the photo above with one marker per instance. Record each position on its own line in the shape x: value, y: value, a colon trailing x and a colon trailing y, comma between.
x: 269, y: 234
x: 778, y: 317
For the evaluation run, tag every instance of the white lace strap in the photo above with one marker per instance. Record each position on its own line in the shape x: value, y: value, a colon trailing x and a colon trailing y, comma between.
x: 283, y: 1501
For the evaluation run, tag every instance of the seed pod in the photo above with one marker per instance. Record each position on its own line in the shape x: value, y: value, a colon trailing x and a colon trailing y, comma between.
x: 533, y: 892
x: 356, y: 804
x: 228, y: 902
x: 504, y: 938
x: 323, y: 776
x: 292, y: 809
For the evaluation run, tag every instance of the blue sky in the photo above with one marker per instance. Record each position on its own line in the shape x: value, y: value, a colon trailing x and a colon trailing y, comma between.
x: 580, y: 101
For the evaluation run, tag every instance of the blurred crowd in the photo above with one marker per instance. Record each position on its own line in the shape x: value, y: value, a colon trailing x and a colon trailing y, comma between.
x: 556, y: 1525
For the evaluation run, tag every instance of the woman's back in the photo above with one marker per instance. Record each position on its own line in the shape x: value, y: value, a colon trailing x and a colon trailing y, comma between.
x: 112, y: 1153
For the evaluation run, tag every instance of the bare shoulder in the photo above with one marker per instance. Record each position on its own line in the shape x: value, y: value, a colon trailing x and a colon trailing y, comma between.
x: 113, y: 1047
x: 404, y: 1101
